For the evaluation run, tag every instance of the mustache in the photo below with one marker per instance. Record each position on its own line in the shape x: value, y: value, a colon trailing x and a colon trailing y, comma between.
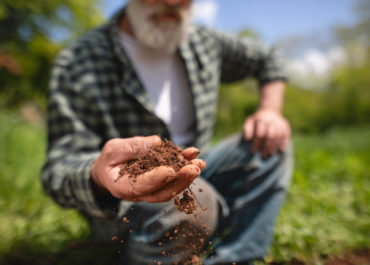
x: 163, y: 9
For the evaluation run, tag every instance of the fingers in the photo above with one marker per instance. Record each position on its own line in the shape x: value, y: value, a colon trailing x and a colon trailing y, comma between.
x: 199, y: 163
x: 153, y: 180
x: 268, y: 130
x: 249, y: 129
x: 121, y: 150
x: 190, y: 153
x: 283, y: 144
x: 159, y: 184
x: 271, y: 141
x: 259, y: 135
x: 185, y: 177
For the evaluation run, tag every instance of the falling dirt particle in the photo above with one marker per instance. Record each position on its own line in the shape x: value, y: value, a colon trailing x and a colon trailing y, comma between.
x: 114, y: 238
x: 187, y: 203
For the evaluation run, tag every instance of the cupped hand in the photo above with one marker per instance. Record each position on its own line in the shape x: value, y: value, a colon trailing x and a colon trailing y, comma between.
x: 157, y: 185
x: 268, y: 130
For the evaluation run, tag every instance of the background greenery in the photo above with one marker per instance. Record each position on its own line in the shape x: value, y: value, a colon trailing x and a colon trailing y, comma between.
x: 327, y: 210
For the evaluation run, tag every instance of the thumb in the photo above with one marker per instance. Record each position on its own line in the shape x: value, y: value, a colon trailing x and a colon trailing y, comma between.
x: 249, y: 128
x: 131, y: 148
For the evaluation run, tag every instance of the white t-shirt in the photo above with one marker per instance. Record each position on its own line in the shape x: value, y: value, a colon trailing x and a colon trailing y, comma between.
x: 164, y: 78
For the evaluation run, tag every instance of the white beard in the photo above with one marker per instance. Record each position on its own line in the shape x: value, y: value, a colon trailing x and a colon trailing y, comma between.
x: 164, y: 36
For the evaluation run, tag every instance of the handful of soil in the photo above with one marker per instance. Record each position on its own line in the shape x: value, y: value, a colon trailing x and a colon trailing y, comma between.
x: 167, y: 154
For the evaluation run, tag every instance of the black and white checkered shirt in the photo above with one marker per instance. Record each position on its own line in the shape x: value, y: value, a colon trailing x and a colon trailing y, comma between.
x: 95, y: 95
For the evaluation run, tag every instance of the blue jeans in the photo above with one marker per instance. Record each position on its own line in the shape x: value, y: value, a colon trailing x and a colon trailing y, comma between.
x: 254, y: 189
x: 243, y: 193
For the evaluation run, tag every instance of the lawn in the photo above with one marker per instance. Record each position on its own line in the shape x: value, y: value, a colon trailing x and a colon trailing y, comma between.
x: 327, y: 210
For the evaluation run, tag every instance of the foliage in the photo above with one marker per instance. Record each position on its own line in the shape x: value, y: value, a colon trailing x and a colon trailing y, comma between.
x: 30, y: 34
x: 326, y: 210
x: 27, y: 215
x: 344, y: 102
x: 328, y: 204
x: 236, y: 102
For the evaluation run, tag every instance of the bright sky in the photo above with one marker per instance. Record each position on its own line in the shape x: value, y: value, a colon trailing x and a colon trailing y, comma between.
x: 279, y: 22
x: 273, y: 20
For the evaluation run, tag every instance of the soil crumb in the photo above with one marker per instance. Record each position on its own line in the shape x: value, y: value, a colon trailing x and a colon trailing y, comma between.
x: 166, y: 154
x: 358, y: 257
x: 187, y: 203
x: 188, y: 236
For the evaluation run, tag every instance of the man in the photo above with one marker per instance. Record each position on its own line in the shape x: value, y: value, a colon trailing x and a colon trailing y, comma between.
x: 150, y: 72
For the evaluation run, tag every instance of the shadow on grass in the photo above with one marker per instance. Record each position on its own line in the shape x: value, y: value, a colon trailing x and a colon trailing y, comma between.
x: 81, y: 253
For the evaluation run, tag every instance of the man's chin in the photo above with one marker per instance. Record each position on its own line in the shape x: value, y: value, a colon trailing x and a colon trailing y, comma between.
x: 158, y: 30
x: 171, y: 19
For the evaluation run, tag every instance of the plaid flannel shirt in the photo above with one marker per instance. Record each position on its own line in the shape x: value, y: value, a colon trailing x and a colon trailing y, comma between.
x: 95, y: 95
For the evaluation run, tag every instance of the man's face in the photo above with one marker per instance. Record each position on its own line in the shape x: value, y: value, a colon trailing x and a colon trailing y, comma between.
x: 167, y: 10
x: 160, y: 24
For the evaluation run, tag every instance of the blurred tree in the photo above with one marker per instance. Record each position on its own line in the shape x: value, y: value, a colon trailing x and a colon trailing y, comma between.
x: 31, y: 33
x: 349, y: 100
x: 345, y: 101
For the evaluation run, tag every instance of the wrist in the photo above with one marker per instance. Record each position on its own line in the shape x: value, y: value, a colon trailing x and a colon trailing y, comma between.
x: 269, y: 109
x: 97, y: 186
x: 272, y: 97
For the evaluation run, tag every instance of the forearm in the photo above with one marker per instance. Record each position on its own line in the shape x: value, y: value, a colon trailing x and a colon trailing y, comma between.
x: 272, y: 96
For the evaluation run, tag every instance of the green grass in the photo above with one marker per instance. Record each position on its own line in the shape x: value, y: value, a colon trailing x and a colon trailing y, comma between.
x: 328, y: 207
x: 33, y: 229
x: 327, y: 210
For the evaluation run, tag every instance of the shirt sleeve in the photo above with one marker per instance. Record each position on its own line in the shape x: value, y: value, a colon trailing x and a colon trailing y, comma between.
x: 73, y: 144
x: 247, y: 57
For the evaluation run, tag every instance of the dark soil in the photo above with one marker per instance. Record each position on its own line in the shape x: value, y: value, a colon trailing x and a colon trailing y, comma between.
x: 185, y: 236
x: 187, y: 203
x: 358, y: 257
x: 167, y: 154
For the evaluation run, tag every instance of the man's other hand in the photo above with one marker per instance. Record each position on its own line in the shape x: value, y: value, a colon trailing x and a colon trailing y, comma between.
x: 157, y: 185
x: 268, y: 130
